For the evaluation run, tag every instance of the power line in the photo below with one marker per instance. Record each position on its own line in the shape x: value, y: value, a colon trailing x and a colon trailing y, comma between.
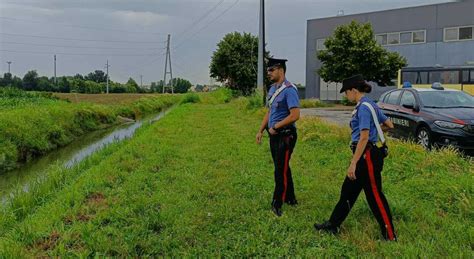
x: 75, y: 47
x: 205, y: 26
x: 138, y: 67
x: 200, y: 19
x: 78, y: 54
x: 58, y: 38
x: 79, y: 26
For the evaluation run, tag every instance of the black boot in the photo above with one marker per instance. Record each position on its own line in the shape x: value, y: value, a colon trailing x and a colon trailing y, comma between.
x: 277, y: 211
x: 276, y: 208
x: 327, y: 226
x: 292, y: 202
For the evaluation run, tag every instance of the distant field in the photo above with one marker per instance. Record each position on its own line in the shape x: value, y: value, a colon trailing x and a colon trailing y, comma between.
x: 102, y: 98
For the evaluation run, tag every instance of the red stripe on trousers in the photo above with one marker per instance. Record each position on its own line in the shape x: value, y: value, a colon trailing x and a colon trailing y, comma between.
x: 377, y: 197
x: 285, y: 170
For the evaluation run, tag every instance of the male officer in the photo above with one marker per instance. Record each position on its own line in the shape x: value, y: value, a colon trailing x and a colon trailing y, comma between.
x: 279, y: 121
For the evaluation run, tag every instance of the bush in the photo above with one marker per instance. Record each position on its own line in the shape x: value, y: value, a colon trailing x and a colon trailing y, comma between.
x: 191, y: 98
x: 313, y: 103
x: 255, y: 101
x: 346, y: 102
x: 222, y: 95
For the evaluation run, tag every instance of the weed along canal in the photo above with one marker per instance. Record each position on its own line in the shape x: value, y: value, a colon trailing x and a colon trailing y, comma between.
x: 69, y: 155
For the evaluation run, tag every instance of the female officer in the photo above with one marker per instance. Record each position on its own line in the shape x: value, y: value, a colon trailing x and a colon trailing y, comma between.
x: 365, y: 169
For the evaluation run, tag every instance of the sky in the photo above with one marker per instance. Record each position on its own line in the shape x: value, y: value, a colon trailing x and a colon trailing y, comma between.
x: 131, y: 34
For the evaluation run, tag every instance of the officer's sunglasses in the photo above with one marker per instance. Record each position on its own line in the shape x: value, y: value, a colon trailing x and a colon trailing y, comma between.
x: 271, y: 69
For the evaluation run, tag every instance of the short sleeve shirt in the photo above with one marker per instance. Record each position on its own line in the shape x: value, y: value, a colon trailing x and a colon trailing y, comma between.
x: 283, y: 103
x: 362, y: 120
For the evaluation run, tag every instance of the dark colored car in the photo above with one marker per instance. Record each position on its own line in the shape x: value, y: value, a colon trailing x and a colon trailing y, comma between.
x: 434, y: 116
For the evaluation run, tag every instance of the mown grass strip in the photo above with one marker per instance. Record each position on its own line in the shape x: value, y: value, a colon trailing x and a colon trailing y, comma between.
x: 195, y: 183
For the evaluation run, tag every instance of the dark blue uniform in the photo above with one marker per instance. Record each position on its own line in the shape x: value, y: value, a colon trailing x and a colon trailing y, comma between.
x: 368, y: 173
x: 283, y: 143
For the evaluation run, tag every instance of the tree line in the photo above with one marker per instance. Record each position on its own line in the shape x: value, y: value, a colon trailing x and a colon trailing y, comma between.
x: 92, y: 83
x: 352, y: 49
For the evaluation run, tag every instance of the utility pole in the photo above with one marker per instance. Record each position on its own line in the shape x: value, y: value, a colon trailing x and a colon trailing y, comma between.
x: 261, y: 52
x: 107, y: 67
x: 55, y: 78
x: 168, y: 56
x: 9, y: 62
x: 141, y: 81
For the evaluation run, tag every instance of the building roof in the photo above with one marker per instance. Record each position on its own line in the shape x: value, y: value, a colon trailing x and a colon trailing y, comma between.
x: 390, y: 10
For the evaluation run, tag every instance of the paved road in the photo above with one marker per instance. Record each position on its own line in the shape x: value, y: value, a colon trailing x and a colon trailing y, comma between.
x: 335, y: 115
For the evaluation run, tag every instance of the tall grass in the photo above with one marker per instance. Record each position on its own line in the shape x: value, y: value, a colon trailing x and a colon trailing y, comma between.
x: 204, y: 190
x: 33, y: 124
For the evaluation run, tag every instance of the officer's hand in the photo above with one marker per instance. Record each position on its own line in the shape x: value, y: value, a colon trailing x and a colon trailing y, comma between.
x: 259, y: 137
x: 272, y: 131
x: 351, y: 171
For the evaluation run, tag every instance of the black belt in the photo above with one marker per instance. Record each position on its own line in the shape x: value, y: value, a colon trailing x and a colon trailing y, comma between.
x: 353, y: 145
x: 286, y: 130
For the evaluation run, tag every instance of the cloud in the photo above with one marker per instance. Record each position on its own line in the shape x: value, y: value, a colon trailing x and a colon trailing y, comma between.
x: 10, y: 8
x: 139, y: 18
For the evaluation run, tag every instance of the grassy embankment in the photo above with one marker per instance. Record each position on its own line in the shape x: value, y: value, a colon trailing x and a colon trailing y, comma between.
x: 32, y: 124
x: 195, y: 183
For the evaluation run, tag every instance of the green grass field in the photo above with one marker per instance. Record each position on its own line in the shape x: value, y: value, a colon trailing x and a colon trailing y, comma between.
x: 196, y: 184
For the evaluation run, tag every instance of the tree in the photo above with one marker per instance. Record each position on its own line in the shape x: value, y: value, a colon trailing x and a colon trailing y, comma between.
x: 16, y: 82
x: 353, y: 50
x: 132, y: 86
x: 6, y: 80
x: 64, y: 85
x: 30, y: 80
x: 234, y: 63
x: 181, y: 85
x: 44, y: 84
x: 97, y: 76
x: 157, y: 87
x: 79, y: 76
x: 117, y: 88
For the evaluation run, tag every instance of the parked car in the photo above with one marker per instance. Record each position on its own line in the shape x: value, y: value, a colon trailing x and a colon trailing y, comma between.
x: 433, y: 117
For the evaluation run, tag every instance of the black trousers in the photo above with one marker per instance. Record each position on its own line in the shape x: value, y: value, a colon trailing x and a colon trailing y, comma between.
x: 282, y: 146
x: 369, y: 178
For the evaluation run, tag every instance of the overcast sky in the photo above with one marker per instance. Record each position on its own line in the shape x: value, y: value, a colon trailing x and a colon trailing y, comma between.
x: 131, y: 34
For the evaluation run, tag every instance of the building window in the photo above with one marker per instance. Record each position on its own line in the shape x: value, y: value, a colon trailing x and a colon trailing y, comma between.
x: 465, y: 33
x: 419, y: 37
x: 320, y: 44
x: 410, y: 77
x: 393, y: 38
x: 405, y: 37
x: 435, y: 76
x: 396, y: 38
x: 381, y: 39
x: 465, y: 76
x: 458, y: 33
x: 416, y: 77
x: 450, y: 77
